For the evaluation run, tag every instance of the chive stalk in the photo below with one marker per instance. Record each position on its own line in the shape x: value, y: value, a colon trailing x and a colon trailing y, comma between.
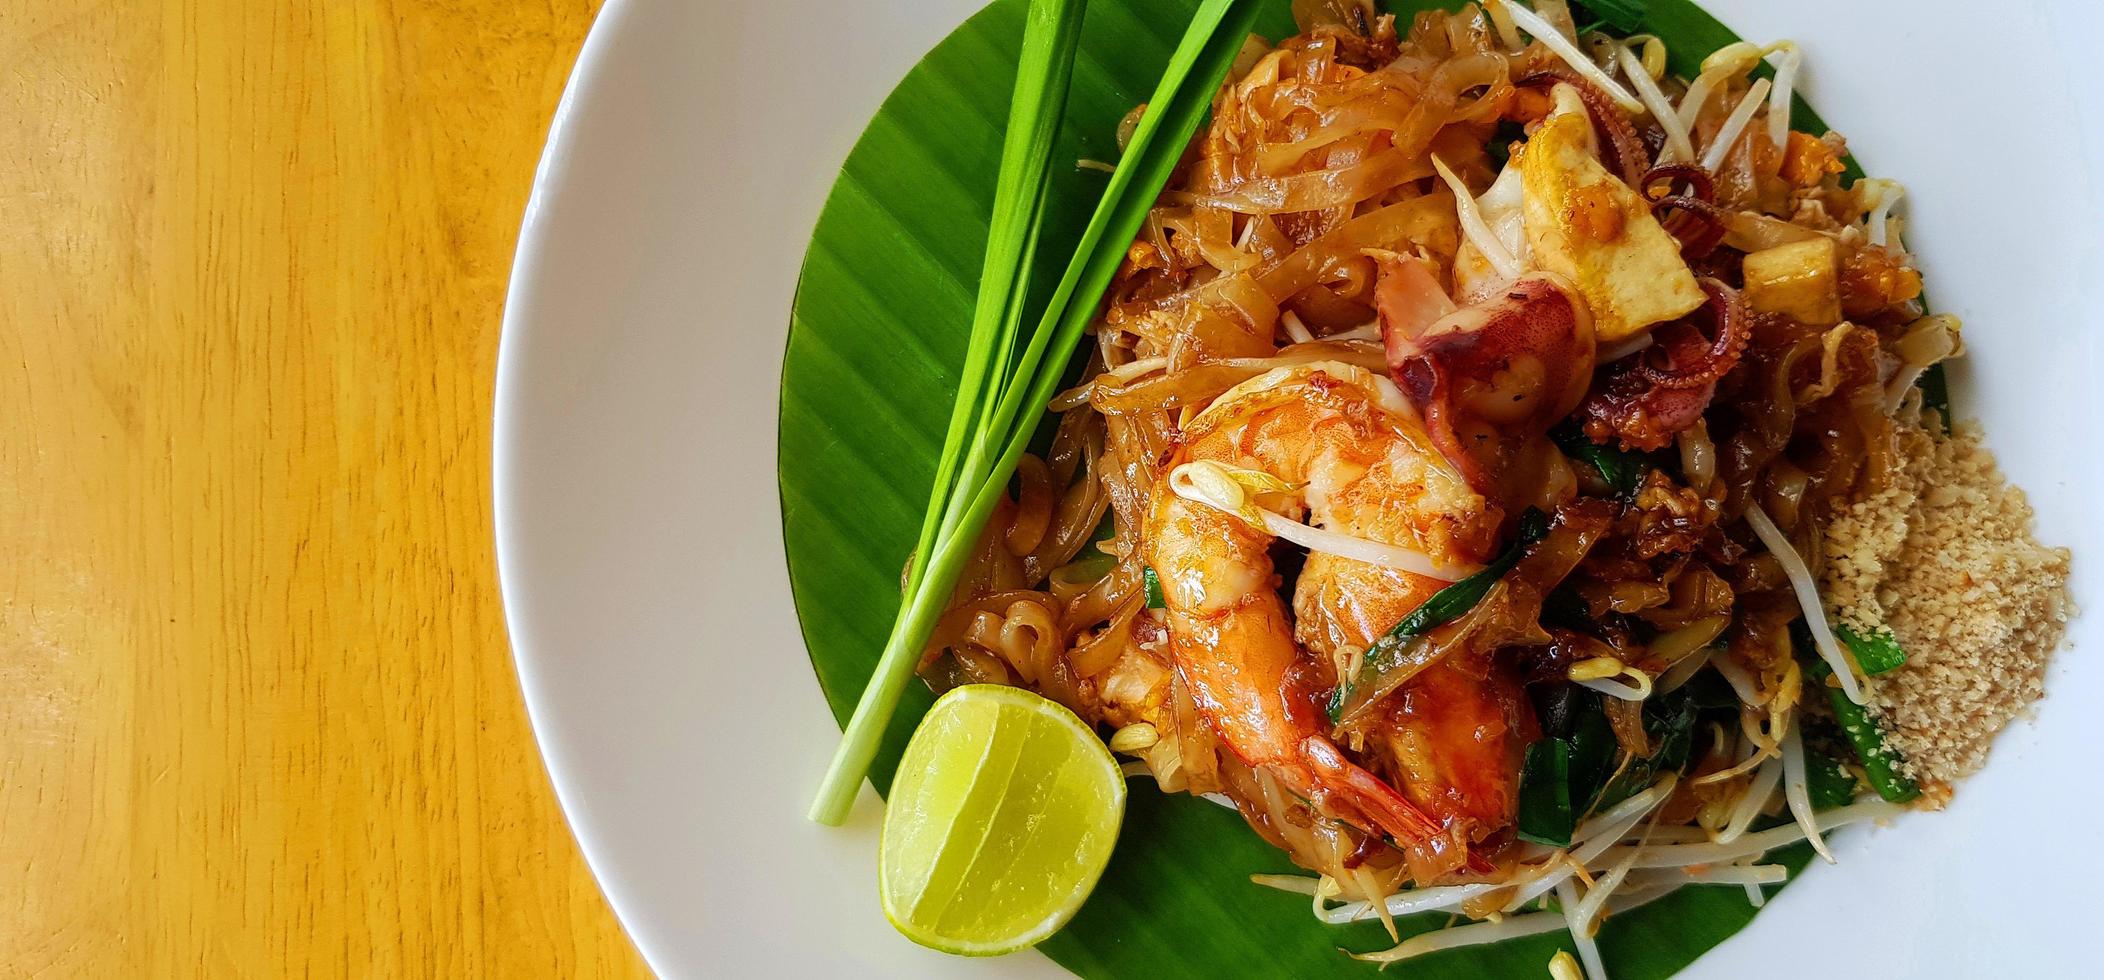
x: 1876, y: 652
x: 994, y: 393
x: 1880, y: 763
x: 1827, y: 782
x: 1444, y: 606
x: 1622, y: 471
x: 1051, y: 33
x: 1545, y: 812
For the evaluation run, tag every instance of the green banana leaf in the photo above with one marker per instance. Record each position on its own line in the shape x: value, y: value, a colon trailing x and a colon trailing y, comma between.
x: 877, y: 334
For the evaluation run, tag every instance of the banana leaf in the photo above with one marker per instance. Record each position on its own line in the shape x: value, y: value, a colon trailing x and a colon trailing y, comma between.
x: 877, y: 334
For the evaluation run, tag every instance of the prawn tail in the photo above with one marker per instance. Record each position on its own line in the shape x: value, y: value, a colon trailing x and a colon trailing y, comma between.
x: 1365, y: 792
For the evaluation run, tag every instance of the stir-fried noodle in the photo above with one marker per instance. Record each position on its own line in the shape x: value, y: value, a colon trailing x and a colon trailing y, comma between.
x: 1413, y: 284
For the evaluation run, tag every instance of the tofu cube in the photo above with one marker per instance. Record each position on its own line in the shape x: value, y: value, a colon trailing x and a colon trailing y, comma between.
x: 1799, y: 280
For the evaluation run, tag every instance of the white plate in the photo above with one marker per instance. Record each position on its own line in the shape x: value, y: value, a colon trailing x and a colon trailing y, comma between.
x: 639, y: 535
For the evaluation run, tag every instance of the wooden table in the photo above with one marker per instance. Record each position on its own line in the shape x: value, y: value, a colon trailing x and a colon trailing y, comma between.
x: 257, y: 713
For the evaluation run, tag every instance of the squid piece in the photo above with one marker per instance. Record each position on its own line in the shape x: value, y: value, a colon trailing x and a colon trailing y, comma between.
x: 1489, y: 379
x: 1655, y: 395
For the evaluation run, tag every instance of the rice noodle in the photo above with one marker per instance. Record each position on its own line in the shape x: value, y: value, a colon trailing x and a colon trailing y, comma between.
x: 1698, y: 455
x: 1426, y: 218
x: 1323, y: 188
x: 1077, y: 396
x: 1807, y: 590
x: 1204, y: 382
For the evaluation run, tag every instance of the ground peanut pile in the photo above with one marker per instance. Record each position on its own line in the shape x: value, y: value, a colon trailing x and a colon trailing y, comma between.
x: 1944, y: 558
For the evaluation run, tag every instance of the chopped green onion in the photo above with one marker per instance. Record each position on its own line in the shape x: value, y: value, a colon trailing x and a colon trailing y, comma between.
x: 1545, y: 812
x: 1153, y: 585
x: 1935, y: 391
x: 1576, y: 717
x: 1828, y: 782
x: 1876, y: 653
x: 1572, y: 718
x: 1669, y: 725
x: 1499, y: 148
x: 1621, y: 471
x: 1391, y: 649
x: 1880, y: 763
x: 999, y: 383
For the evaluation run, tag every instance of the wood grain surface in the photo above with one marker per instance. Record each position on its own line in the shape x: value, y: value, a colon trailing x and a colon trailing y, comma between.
x: 257, y: 712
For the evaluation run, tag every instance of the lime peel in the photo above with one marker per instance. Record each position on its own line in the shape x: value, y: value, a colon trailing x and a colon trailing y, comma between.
x: 1002, y: 818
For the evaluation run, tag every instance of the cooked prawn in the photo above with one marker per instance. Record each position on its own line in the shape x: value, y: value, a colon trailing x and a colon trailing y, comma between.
x: 1452, y: 737
x: 1360, y: 465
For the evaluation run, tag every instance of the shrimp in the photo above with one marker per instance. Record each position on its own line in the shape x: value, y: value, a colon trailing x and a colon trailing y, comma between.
x: 1453, y: 736
x: 1362, y: 466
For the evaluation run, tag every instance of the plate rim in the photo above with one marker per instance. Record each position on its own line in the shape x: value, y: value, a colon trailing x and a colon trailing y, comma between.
x: 519, y: 331
x: 515, y: 330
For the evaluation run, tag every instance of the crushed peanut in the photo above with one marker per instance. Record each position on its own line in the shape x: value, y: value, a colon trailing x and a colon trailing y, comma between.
x: 1944, y: 558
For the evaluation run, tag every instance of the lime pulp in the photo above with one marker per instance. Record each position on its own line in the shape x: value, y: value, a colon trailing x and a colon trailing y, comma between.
x: 1002, y: 817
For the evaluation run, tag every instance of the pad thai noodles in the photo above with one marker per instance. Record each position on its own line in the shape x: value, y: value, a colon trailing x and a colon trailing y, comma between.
x: 1448, y: 487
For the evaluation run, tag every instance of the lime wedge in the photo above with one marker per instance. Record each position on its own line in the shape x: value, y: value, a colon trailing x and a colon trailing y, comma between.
x: 1002, y: 817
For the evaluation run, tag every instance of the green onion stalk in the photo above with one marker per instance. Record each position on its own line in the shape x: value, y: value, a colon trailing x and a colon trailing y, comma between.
x: 967, y: 490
